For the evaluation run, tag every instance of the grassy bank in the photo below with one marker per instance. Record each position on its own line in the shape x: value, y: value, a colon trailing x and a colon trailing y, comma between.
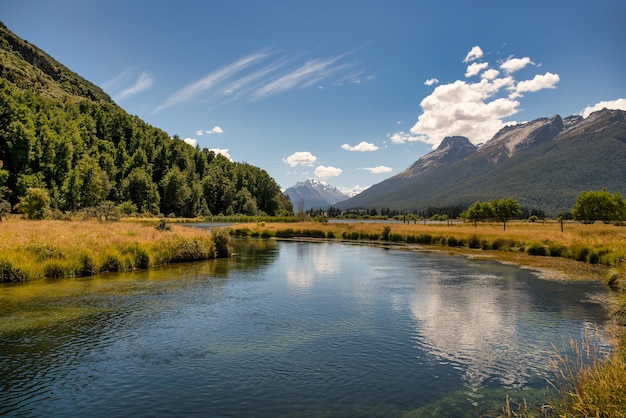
x: 55, y: 249
x: 588, y: 387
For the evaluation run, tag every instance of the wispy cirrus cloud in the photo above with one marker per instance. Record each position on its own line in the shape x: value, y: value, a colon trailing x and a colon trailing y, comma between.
x: 263, y: 74
x: 126, y: 84
x: 197, y: 88
x: 143, y: 82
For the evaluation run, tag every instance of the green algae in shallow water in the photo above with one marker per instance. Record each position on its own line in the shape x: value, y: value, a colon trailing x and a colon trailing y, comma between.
x: 25, y: 320
x: 488, y: 403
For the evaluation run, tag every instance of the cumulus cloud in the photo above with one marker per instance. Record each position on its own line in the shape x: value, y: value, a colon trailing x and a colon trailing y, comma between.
x: 431, y: 81
x: 361, y: 147
x: 324, y: 172
x: 378, y: 170
x: 474, y: 109
x: 475, y: 68
x: 214, y: 130
x: 539, y: 82
x: 300, y: 158
x: 515, y: 64
x: 618, y: 104
x: 474, y: 54
x: 352, y: 191
x: 490, y: 74
x: 402, y: 137
x: 222, y: 151
x: 191, y: 141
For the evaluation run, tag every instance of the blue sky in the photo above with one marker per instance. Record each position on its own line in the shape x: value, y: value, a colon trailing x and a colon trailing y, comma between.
x: 348, y: 92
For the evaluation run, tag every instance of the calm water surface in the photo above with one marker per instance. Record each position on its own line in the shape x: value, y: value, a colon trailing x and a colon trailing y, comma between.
x: 288, y: 329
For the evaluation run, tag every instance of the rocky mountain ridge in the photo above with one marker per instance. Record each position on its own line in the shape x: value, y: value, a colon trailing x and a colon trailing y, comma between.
x: 543, y: 163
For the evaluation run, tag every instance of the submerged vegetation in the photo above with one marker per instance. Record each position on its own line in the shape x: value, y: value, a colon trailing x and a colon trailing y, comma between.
x: 57, y: 249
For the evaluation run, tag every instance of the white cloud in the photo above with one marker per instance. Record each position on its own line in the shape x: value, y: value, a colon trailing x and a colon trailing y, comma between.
x: 361, y: 147
x: 191, y: 141
x: 300, y: 158
x: 306, y: 75
x: 474, y: 54
x: 193, y: 90
x: 378, y: 170
x: 144, y: 82
x: 402, y: 137
x: 490, y: 74
x: 352, y: 191
x: 256, y: 77
x: 431, y: 81
x: 619, y: 104
x: 539, y: 82
x: 222, y: 151
x: 515, y: 64
x: 473, y: 109
x: 324, y: 172
x: 214, y: 130
x: 462, y: 108
x: 475, y: 68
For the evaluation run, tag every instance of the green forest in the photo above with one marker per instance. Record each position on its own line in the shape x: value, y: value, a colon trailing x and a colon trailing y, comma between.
x: 84, y: 153
x: 65, y: 144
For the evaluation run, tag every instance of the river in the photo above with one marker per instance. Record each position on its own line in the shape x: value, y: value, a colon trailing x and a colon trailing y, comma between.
x: 290, y: 329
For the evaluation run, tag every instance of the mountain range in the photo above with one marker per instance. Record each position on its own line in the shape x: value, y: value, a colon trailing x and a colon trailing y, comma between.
x: 544, y: 164
x: 313, y: 194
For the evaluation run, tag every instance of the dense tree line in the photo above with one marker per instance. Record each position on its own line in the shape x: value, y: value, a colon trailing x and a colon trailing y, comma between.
x: 81, y: 153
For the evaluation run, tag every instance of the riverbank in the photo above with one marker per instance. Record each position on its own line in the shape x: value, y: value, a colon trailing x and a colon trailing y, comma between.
x: 593, y: 386
x: 51, y: 249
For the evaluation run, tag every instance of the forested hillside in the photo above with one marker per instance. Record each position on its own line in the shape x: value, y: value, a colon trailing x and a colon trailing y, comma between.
x: 63, y: 135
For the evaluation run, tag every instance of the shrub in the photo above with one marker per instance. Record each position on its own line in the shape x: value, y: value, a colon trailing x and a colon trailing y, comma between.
x: 594, y: 257
x: 384, y: 235
x: 56, y: 269
x: 10, y: 274
x: 330, y: 234
x: 221, y: 238
x: 580, y: 253
x: 285, y: 233
x: 395, y: 237
x: 474, y: 241
x: 141, y: 259
x: 86, y: 265
x: 266, y: 234
x: 425, y: 239
x: 452, y: 242
x: 557, y: 250
x: 537, y: 249
x: 110, y: 263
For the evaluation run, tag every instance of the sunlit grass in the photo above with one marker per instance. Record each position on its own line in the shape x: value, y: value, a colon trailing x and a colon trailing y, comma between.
x: 55, y: 249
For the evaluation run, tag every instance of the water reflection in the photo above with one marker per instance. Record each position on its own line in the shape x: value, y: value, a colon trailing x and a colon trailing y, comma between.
x: 311, y: 262
x: 492, y: 326
x: 282, y: 328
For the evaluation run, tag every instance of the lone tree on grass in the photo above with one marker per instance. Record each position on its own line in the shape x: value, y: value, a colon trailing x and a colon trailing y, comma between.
x: 596, y: 205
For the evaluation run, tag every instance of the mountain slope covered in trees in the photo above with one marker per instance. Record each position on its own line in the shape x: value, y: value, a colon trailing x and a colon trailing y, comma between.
x: 64, y: 135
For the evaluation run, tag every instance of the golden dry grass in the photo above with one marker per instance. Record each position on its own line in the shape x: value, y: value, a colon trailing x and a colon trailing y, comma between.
x: 54, y: 249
